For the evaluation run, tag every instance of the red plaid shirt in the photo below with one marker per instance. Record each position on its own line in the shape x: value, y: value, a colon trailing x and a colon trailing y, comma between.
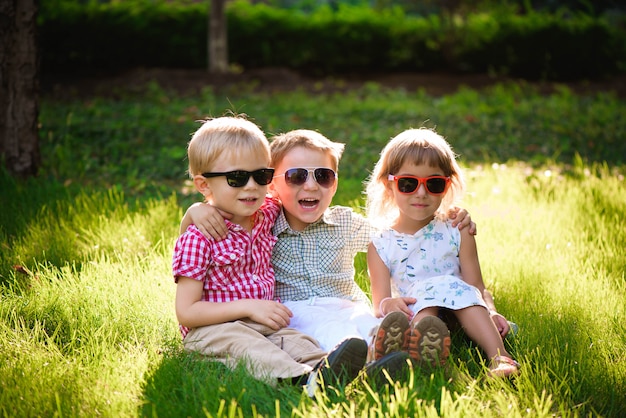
x: 237, y: 267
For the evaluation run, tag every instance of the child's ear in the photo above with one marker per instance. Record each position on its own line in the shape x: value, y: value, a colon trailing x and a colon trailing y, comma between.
x: 272, y: 190
x: 200, y: 182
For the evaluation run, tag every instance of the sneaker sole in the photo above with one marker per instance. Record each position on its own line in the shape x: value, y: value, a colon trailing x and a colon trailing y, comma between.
x: 391, y: 335
x: 430, y: 341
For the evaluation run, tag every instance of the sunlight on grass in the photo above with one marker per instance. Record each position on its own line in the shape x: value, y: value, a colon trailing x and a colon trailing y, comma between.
x: 87, y: 323
x: 89, y: 330
x: 95, y: 332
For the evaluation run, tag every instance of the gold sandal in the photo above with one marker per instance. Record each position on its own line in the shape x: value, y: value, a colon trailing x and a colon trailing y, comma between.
x: 502, y: 366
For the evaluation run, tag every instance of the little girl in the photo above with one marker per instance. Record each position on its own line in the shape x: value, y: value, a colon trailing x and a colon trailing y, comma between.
x: 420, y: 263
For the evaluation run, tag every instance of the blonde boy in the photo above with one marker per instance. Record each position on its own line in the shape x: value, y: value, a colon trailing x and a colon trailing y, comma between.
x: 225, y: 288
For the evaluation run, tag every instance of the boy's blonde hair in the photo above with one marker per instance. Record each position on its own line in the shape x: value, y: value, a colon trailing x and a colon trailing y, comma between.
x: 283, y: 143
x: 417, y: 146
x: 224, y: 134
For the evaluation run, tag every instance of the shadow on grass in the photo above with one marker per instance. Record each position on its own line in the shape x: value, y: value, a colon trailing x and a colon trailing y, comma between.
x: 187, y: 384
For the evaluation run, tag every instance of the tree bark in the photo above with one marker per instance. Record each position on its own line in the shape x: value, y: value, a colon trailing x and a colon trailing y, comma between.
x: 218, y: 37
x: 19, y: 87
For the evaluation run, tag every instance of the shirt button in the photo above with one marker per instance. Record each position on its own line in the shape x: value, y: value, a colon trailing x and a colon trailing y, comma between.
x: 232, y: 256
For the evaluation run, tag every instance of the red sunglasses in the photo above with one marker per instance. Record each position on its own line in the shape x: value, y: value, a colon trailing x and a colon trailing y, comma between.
x: 435, y: 185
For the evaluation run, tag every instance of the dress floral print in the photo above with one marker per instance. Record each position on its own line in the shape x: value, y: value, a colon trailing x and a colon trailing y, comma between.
x: 426, y: 266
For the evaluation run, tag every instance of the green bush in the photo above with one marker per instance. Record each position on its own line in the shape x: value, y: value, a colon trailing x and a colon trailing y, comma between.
x: 123, y: 35
x: 546, y: 46
x: 331, y: 41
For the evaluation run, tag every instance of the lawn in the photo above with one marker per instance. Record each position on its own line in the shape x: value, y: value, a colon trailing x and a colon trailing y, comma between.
x: 87, y: 325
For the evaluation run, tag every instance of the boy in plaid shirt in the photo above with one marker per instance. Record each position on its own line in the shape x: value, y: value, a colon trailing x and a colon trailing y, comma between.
x: 225, y: 288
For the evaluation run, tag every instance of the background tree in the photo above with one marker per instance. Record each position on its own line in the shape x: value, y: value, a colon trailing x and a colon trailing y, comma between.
x: 19, y: 87
x: 218, y: 37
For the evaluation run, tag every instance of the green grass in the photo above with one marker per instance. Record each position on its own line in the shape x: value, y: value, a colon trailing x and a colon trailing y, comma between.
x: 87, y: 324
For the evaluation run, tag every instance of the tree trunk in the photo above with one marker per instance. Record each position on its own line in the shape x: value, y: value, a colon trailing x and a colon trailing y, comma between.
x: 19, y: 87
x: 218, y: 38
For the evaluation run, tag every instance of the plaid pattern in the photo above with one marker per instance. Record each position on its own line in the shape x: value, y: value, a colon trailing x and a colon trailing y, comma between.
x: 237, y: 267
x: 319, y: 261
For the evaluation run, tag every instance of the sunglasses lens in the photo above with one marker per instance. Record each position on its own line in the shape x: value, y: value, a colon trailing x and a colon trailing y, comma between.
x: 240, y: 178
x: 263, y: 176
x: 296, y: 176
x: 237, y: 178
x: 407, y: 184
x: 436, y: 185
x: 325, y: 176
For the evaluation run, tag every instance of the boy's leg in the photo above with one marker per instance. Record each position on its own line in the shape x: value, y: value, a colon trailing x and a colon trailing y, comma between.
x: 332, y: 320
x: 300, y: 347
x: 232, y: 342
x: 344, y: 361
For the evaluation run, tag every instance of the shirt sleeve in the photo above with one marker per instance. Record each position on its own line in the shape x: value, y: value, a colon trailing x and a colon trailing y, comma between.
x: 191, y: 255
x: 362, y: 231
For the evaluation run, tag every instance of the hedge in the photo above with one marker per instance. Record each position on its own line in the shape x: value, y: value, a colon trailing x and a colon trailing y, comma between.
x: 121, y: 35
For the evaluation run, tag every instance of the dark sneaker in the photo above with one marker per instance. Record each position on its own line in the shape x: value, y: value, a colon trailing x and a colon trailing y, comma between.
x: 391, y: 335
x: 397, y: 365
x: 429, y: 342
x: 341, y: 366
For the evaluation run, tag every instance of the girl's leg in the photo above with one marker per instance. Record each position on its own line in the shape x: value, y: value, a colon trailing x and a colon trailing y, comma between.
x: 480, y: 328
x: 431, y: 311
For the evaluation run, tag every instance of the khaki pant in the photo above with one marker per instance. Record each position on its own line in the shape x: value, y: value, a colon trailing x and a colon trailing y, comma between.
x: 270, y: 354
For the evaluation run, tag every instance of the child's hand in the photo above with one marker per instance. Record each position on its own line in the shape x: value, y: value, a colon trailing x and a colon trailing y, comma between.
x: 462, y: 218
x: 397, y: 304
x: 208, y: 219
x: 501, y: 323
x: 270, y: 313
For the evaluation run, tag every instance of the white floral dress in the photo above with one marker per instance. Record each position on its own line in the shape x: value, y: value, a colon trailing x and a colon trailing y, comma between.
x: 426, y: 266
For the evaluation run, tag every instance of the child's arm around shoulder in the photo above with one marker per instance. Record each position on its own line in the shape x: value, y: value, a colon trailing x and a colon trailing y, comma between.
x: 208, y: 219
x: 461, y: 218
x: 193, y: 312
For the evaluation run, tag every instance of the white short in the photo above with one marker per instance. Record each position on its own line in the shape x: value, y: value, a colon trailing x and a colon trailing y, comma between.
x: 331, y: 320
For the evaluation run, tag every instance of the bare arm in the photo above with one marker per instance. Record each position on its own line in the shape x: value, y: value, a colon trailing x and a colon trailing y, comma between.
x: 192, y: 311
x: 470, y: 270
x: 208, y: 219
x: 381, y: 287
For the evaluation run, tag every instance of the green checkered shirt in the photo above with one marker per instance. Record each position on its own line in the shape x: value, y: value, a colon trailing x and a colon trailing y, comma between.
x: 319, y: 261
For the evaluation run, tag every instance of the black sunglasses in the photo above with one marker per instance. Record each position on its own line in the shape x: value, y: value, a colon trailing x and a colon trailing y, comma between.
x: 435, y: 185
x: 325, y: 177
x: 239, y: 178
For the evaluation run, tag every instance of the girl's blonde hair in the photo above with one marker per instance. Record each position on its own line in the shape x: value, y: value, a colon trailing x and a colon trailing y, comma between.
x: 416, y: 146
x: 233, y: 134
x: 312, y: 140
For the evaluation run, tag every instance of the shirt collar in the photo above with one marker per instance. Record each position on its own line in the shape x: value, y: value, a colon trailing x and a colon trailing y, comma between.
x: 281, y: 225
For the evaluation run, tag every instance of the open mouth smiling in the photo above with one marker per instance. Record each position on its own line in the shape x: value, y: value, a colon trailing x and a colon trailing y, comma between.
x: 308, y: 203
